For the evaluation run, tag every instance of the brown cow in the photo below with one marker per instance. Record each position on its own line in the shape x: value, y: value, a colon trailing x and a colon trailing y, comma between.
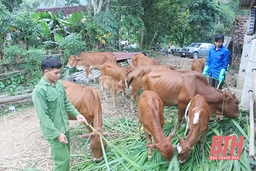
x: 90, y: 60
x: 198, y: 65
x: 134, y: 75
x: 109, y: 83
x: 116, y: 72
x: 87, y: 101
x: 151, y: 116
x: 176, y: 88
x: 141, y: 59
x: 198, y: 112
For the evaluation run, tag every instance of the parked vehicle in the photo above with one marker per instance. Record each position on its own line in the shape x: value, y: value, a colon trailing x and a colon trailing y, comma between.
x: 196, y: 50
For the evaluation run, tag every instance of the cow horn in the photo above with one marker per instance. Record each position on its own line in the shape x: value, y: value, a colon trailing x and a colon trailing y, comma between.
x: 181, y: 140
x: 172, y: 134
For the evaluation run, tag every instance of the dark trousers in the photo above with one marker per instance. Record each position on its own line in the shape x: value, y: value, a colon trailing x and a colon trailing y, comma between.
x: 215, y: 83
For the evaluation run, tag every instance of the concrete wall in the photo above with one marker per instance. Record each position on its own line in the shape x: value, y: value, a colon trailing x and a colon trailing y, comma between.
x: 244, y: 61
x: 248, y: 63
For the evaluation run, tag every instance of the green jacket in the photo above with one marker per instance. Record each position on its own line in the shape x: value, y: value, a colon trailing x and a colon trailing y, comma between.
x: 51, y: 105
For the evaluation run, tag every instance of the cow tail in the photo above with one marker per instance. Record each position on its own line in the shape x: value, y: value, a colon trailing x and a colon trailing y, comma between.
x: 128, y: 82
x: 186, y: 117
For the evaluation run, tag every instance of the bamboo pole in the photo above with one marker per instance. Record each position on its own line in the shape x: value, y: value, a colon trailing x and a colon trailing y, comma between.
x: 251, y: 145
x: 251, y: 141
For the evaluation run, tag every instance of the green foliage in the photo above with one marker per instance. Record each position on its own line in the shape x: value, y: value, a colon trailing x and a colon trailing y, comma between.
x: 72, y: 45
x: 12, y: 5
x: 11, y: 84
x: 33, y: 57
x: 24, y: 29
x: 11, y: 52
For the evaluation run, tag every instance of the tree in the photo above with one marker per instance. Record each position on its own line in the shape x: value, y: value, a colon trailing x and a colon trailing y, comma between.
x: 5, y: 19
x: 11, y: 5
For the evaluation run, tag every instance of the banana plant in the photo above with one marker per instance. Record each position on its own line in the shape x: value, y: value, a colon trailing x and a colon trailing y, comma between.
x: 53, y: 25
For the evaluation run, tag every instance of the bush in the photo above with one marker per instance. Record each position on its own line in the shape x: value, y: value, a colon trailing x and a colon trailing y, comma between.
x: 13, y: 53
x: 72, y: 45
x: 33, y: 57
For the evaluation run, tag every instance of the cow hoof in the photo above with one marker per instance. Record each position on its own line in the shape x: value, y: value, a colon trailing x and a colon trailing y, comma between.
x: 220, y: 118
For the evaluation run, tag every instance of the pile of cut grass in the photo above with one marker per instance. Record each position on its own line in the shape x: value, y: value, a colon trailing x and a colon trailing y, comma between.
x: 126, y: 152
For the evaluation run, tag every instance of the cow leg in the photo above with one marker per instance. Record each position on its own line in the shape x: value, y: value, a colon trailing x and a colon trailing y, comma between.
x: 124, y: 92
x: 219, y: 116
x: 93, y: 76
x: 87, y: 73
x: 181, y: 110
x: 148, y: 139
x: 133, y: 96
x: 104, y: 92
x: 202, y: 140
x: 114, y: 97
x: 139, y: 131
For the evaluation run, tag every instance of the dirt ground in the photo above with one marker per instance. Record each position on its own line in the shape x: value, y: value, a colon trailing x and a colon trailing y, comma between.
x: 22, y: 144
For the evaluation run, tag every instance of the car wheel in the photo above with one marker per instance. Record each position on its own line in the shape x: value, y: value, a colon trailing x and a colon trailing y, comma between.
x: 196, y: 55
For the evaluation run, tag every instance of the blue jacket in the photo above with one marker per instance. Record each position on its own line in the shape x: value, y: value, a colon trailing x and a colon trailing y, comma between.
x: 217, y: 60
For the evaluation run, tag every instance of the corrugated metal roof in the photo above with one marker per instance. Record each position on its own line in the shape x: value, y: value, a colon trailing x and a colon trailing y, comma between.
x: 247, y: 4
x: 66, y: 10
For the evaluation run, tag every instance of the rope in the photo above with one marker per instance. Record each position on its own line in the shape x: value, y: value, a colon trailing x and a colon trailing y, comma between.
x: 223, y: 85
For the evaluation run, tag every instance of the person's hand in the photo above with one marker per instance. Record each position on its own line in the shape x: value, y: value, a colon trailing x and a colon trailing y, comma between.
x: 62, y: 139
x: 80, y: 118
x: 222, y: 75
x: 206, y: 68
x: 221, y: 79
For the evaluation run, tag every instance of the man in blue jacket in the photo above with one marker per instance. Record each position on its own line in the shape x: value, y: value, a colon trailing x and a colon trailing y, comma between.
x: 217, y: 62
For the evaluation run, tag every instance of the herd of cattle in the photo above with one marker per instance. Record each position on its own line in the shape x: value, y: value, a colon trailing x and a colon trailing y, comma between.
x: 162, y: 86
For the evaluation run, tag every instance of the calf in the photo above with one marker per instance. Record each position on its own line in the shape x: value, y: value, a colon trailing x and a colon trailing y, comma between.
x: 150, y: 111
x: 109, y: 83
x: 198, y: 65
x: 116, y: 72
x: 198, y: 112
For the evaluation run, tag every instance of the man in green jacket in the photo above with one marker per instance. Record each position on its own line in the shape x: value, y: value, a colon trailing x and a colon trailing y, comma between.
x: 51, y: 105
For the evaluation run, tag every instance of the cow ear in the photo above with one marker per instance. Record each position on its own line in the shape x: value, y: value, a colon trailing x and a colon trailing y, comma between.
x: 189, y: 147
x: 154, y: 146
x: 87, y: 135
x: 181, y: 140
x: 106, y: 134
x: 227, y: 96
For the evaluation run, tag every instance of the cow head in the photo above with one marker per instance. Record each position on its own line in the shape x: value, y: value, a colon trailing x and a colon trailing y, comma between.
x: 165, y: 147
x: 230, y: 108
x: 184, y: 150
x: 97, y: 151
x: 118, y: 86
x: 71, y: 61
